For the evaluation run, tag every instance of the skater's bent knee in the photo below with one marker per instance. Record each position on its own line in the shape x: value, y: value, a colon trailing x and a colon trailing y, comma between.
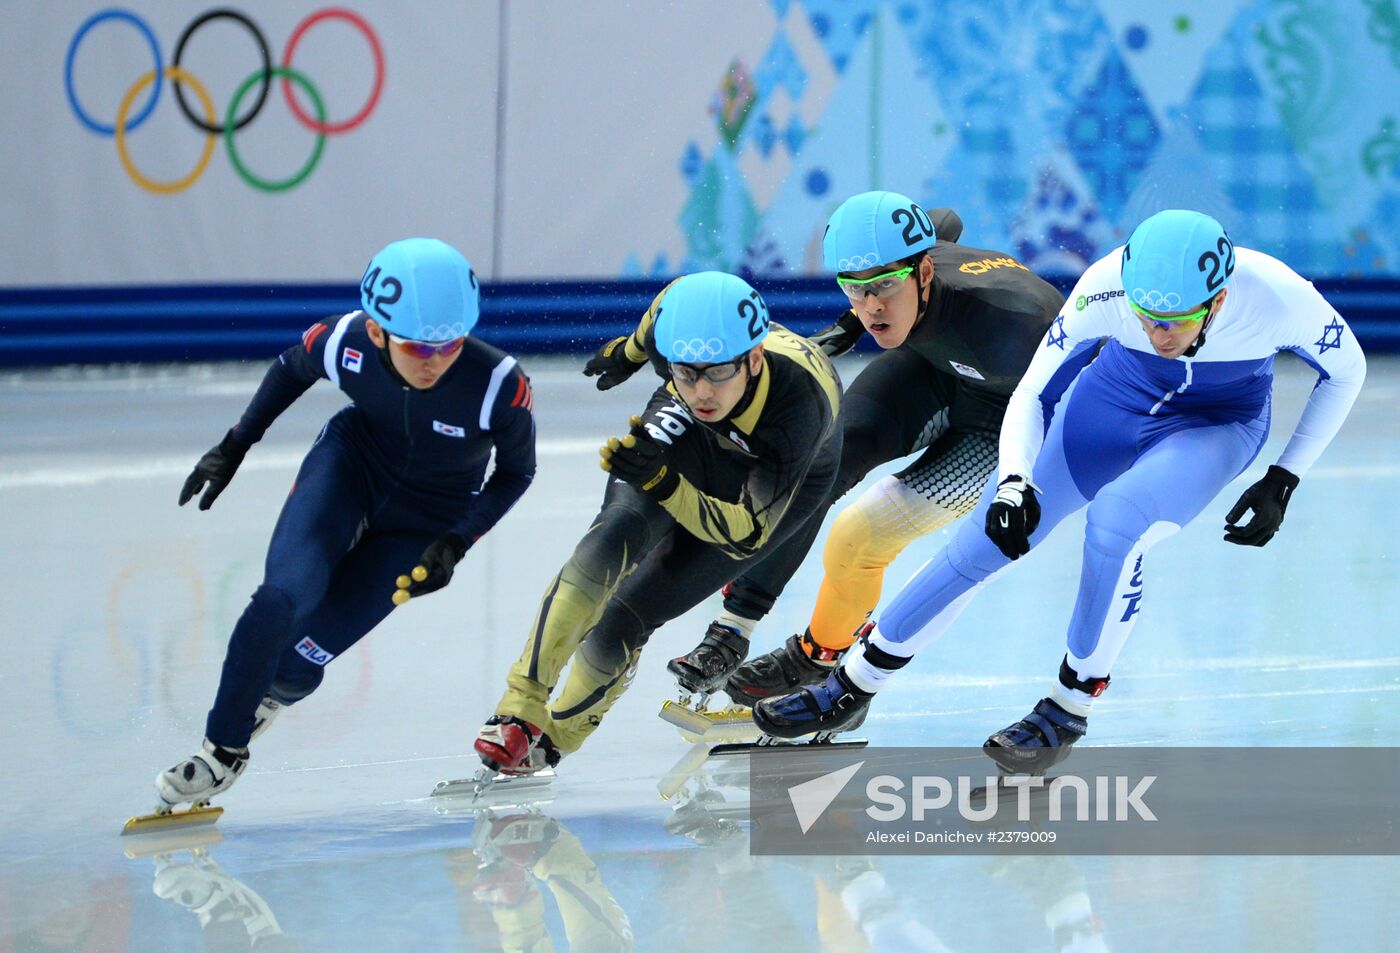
x: 620, y: 534
x: 1115, y: 523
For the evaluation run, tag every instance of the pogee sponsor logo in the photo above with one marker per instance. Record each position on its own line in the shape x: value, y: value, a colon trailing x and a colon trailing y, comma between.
x: 1083, y: 301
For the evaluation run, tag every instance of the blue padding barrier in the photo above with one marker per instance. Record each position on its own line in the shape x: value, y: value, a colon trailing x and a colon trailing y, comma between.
x: 223, y: 322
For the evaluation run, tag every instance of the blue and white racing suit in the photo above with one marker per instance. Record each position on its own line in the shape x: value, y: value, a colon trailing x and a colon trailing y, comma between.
x: 1144, y: 441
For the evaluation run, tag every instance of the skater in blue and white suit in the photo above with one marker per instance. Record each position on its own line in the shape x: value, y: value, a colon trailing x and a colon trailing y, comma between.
x: 1182, y: 329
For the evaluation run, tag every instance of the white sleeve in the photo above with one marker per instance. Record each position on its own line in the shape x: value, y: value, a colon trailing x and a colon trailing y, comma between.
x: 1085, y: 319
x: 1312, y: 329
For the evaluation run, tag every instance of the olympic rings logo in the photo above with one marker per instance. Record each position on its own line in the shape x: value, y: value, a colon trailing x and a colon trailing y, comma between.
x: 209, y: 122
x: 1154, y: 300
x: 869, y: 260
x: 698, y: 349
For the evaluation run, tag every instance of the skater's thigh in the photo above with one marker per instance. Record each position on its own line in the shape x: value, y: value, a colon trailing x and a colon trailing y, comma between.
x: 361, y: 589
x: 897, y: 405
x: 1181, y: 473
x: 329, y: 503
x: 628, y: 525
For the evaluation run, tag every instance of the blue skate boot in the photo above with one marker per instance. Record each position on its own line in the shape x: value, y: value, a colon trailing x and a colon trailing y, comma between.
x: 1043, y: 738
x: 821, y: 710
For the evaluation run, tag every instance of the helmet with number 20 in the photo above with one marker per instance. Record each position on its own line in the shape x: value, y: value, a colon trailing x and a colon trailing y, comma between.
x: 873, y: 229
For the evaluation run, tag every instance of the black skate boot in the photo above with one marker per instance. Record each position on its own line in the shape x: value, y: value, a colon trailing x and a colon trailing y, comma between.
x: 797, y: 662
x: 835, y: 705
x: 1043, y: 738
x: 1038, y: 741
x: 706, y: 667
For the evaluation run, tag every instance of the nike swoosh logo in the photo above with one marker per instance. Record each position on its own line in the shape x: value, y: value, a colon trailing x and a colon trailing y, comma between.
x: 1005, y: 523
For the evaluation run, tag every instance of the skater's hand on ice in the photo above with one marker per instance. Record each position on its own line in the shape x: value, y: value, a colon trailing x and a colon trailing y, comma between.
x: 1268, y: 499
x: 610, y: 364
x: 840, y: 337
x: 434, y: 569
x: 216, y: 468
x: 1013, y: 516
x: 639, y: 460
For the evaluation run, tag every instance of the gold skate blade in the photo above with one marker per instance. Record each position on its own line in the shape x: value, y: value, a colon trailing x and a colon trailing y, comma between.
x: 700, y: 721
x: 675, y: 780
x: 152, y: 843
x: 175, y: 820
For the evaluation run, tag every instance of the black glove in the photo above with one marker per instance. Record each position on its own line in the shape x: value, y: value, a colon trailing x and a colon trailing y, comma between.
x: 1013, y: 516
x: 838, y: 338
x: 1268, y: 499
x: 434, y: 569
x: 610, y: 364
x: 641, y: 461
x: 215, y: 468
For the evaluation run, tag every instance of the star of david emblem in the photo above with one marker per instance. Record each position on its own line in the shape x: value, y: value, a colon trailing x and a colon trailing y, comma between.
x: 1331, y: 336
x: 1056, y: 335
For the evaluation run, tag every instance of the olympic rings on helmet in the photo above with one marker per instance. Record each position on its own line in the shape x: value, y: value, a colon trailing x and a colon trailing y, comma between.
x: 232, y: 122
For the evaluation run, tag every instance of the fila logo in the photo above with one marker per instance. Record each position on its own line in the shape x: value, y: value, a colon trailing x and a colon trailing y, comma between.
x: 351, y: 359
x: 312, y: 652
x: 966, y: 371
x: 448, y: 429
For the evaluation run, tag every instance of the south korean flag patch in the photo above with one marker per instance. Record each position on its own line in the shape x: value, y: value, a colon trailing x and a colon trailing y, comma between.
x: 351, y: 360
x: 449, y: 430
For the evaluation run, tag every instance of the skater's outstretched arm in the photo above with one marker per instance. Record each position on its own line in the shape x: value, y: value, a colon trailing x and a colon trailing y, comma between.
x: 294, y: 371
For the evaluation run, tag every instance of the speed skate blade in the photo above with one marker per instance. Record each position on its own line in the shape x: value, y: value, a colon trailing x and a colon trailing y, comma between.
x: 674, y: 781
x: 780, y: 744
x: 483, y: 784
x: 175, y: 820
x: 697, y: 721
x: 152, y: 844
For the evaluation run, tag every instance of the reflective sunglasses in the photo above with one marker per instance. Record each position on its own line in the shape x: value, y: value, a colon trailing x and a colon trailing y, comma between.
x: 881, y: 286
x: 1176, y: 322
x: 714, y: 373
x: 426, y: 349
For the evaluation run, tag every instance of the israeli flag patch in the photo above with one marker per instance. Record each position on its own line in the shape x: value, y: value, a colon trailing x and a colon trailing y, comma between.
x: 351, y: 359
x: 313, y: 653
x: 966, y: 371
x: 448, y: 429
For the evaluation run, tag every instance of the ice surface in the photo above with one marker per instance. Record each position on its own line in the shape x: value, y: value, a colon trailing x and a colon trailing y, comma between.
x: 117, y: 607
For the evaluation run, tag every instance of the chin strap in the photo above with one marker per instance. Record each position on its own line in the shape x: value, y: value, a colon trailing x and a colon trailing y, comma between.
x: 1200, y: 341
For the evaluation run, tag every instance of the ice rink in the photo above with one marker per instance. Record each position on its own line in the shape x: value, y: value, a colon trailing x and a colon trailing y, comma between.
x: 118, y: 604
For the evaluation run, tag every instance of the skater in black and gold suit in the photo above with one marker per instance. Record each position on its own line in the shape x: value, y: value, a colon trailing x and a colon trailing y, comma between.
x: 731, y: 455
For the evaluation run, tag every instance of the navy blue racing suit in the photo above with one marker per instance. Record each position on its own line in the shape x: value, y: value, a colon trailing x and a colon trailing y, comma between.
x: 395, y: 470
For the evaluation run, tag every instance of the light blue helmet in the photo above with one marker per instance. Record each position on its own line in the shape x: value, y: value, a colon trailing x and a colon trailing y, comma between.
x: 421, y: 289
x: 1176, y: 260
x: 875, y: 228
x: 709, y: 318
